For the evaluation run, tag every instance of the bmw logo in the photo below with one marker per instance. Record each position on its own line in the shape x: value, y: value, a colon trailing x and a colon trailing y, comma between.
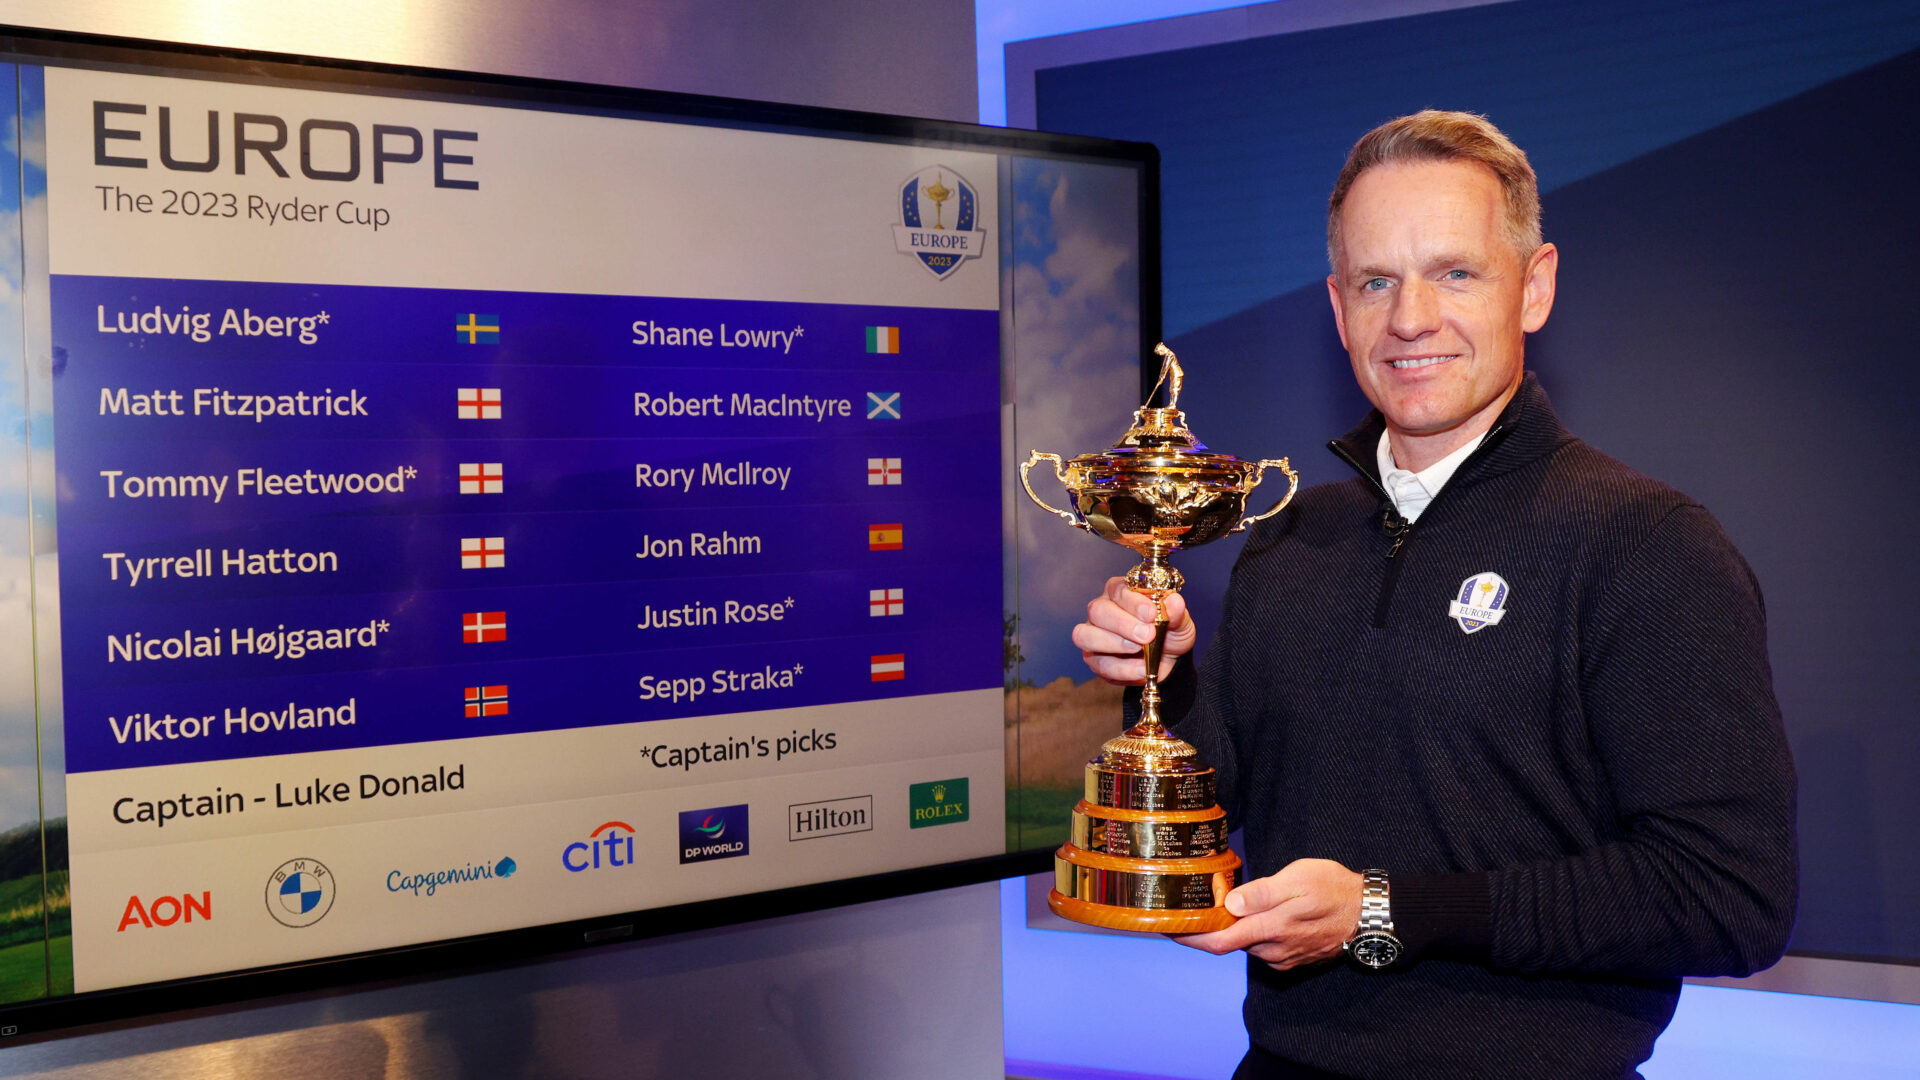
x: 300, y: 892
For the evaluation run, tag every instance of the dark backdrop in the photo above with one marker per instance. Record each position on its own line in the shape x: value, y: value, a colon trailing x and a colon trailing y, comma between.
x: 1732, y: 187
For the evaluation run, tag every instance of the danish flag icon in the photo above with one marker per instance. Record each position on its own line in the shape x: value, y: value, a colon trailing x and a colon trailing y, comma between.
x: 482, y: 626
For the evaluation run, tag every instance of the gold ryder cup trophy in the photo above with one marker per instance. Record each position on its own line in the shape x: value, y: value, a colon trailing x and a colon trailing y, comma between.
x: 1148, y: 850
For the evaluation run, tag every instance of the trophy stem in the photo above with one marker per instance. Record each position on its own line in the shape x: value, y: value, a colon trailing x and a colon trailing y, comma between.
x: 1153, y: 578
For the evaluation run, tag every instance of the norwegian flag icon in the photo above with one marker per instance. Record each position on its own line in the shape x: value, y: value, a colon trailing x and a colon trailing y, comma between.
x: 486, y: 701
x: 483, y: 552
x: 486, y: 478
x: 886, y: 602
x: 479, y: 403
x: 482, y: 626
x: 883, y: 471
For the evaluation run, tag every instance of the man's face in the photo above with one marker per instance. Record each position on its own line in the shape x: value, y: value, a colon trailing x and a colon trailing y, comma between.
x: 1433, y: 301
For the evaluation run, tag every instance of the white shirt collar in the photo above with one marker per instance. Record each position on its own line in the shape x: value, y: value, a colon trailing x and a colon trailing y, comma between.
x: 1412, y: 491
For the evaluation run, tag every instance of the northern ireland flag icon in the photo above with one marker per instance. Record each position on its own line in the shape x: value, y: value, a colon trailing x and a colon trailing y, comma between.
x: 883, y: 471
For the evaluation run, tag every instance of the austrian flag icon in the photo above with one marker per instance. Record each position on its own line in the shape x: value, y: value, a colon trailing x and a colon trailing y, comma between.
x: 482, y: 626
x: 478, y: 403
x: 481, y: 478
x: 483, y: 552
x: 486, y: 701
x: 888, y: 667
x: 883, y: 471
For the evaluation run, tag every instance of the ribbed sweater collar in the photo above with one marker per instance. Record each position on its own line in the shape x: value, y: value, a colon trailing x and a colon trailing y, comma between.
x: 1525, y: 431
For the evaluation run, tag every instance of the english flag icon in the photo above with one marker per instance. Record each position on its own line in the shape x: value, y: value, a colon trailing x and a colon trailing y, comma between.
x: 478, y: 403
x: 482, y: 478
x: 483, y: 552
x: 886, y: 602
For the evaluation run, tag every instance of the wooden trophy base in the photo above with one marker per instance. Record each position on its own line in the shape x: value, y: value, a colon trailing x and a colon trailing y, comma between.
x: 1156, y: 896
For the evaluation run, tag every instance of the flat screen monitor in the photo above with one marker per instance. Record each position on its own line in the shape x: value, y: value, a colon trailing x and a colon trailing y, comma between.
x: 446, y: 518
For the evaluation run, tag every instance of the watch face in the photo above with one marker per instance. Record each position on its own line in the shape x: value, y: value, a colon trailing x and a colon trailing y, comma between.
x: 1376, y: 949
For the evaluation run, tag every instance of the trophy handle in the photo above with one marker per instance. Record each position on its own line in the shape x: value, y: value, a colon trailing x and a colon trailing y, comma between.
x: 1260, y: 472
x: 1034, y: 459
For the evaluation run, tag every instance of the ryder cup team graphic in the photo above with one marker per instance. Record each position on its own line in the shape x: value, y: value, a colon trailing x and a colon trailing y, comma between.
x: 939, y: 210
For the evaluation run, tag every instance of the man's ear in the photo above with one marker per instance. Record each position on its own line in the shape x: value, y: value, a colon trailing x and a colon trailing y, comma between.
x: 1543, y: 269
x: 1340, y: 311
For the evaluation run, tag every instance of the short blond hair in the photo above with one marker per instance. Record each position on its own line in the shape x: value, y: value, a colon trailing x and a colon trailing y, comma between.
x: 1435, y: 135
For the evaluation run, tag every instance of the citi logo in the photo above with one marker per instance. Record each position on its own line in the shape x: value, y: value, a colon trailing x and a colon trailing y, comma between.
x: 166, y: 910
x: 716, y: 833
x: 607, y: 846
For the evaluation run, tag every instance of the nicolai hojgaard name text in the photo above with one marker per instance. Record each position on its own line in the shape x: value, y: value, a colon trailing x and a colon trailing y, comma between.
x: 280, y: 642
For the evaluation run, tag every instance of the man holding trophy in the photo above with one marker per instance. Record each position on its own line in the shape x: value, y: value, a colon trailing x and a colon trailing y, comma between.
x: 1495, y: 714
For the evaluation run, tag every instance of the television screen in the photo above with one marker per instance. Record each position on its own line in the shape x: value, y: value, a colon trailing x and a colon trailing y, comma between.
x: 443, y: 507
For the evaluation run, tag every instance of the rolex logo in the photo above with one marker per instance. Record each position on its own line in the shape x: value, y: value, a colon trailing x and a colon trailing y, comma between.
x: 938, y: 802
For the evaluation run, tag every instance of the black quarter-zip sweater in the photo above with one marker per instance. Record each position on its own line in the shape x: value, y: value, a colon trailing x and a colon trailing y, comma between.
x: 1576, y: 805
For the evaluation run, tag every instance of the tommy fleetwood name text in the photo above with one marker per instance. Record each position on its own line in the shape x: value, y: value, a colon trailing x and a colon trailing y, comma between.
x: 244, y: 482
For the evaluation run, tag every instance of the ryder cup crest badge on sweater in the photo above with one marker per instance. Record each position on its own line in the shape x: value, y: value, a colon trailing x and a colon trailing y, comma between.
x: 1481, y: 603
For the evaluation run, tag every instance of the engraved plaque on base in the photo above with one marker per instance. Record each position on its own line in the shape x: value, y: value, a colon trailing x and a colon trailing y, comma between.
x: 1148, y: 844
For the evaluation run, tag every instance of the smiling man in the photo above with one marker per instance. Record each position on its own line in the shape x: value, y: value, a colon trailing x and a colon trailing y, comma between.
x: 1495, y: 713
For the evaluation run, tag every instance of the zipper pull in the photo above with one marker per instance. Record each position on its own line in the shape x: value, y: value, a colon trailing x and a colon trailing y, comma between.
x: 1395, y: 528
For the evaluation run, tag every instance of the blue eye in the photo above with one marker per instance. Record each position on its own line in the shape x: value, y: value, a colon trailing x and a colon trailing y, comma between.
x: 1376, y: 284
x: 1457, y: 275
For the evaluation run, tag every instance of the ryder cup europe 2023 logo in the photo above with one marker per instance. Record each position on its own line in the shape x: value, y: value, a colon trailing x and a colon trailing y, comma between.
x: 939, y: 210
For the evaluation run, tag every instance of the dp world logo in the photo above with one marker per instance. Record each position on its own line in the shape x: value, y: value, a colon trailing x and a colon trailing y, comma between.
x: 938, y: 212
x: 719, y: 833
x: 300, y: 892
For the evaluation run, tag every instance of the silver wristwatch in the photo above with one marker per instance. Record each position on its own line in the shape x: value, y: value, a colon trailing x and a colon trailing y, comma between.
x: 1373, y: 944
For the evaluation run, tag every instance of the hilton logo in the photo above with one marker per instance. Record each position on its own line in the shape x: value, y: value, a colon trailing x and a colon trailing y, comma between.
x: 939, y: 802
x: 834, y: 817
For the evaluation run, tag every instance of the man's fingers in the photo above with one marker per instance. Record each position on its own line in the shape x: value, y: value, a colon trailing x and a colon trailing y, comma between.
x: 1260, y: 895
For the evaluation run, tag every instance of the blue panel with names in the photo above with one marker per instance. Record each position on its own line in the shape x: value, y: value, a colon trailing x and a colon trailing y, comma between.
x: 297, y: 518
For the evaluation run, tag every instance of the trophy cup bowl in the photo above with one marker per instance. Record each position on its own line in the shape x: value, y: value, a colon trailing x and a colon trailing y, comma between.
x: 1148, y: 843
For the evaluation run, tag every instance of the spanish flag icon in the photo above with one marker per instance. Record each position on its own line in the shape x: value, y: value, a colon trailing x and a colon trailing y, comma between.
x: 888, y: 537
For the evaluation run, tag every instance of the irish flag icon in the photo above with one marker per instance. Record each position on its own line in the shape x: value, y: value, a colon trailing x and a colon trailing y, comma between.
x: 883, y: 339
